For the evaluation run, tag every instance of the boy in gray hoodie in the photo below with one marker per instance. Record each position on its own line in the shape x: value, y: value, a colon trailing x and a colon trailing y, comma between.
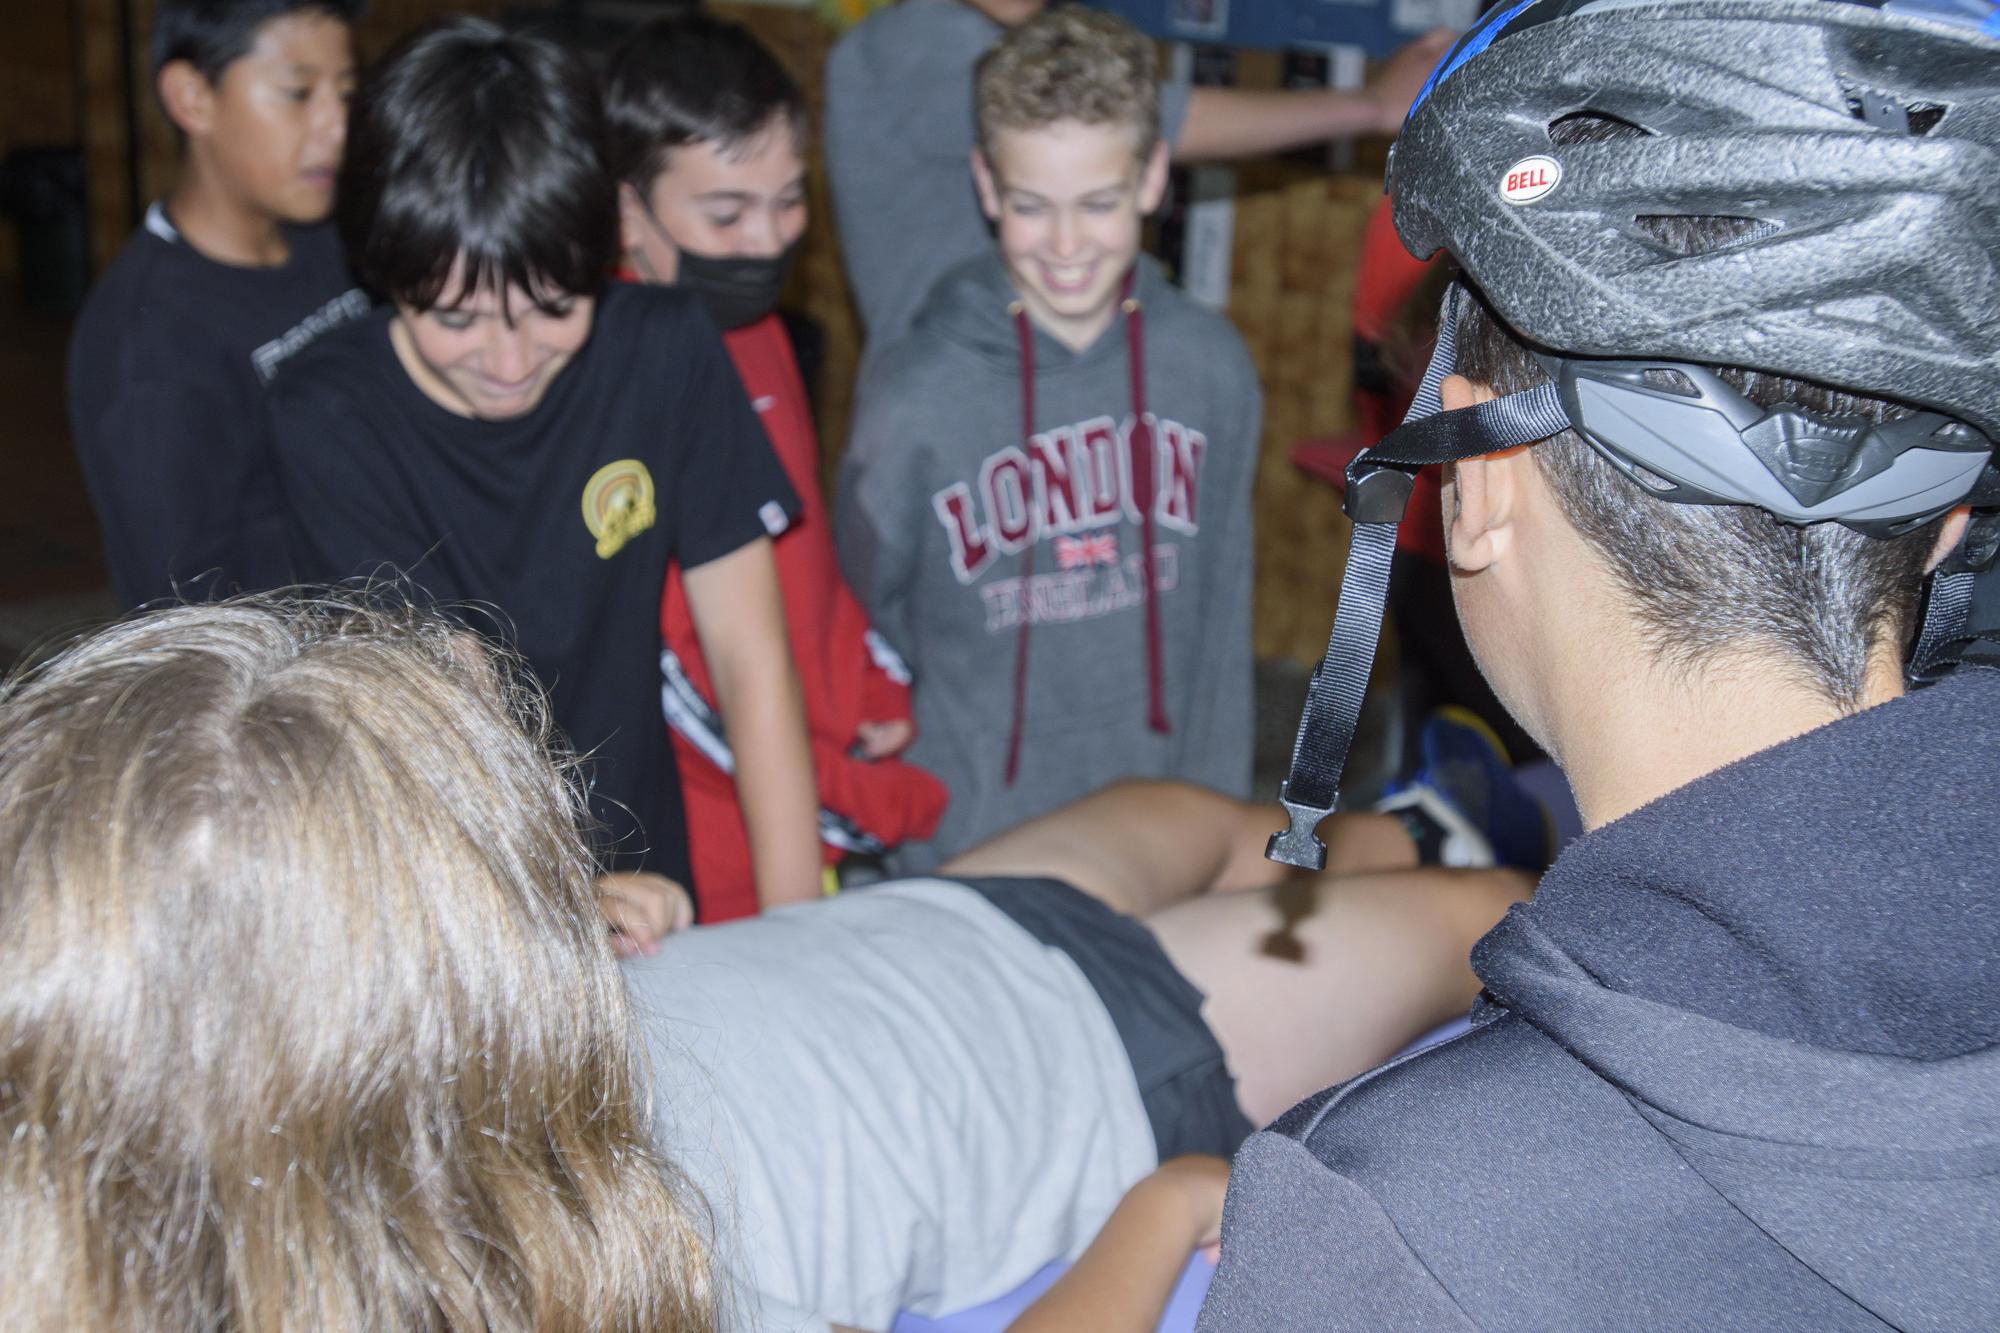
x: 1045, y: 505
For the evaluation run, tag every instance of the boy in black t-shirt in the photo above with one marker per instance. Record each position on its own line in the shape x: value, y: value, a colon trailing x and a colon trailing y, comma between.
x: 228, y: 277
x: 511, y: 430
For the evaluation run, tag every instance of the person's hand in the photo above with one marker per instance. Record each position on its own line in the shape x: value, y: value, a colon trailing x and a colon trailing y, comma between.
x: 1199, y: 1181
x: 642, y: 909
x: 1397, y: 83
x: 879, y: 740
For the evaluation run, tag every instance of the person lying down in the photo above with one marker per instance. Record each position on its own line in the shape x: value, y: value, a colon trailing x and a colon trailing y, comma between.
x: 914, y: 1095
x: 308, y: 1018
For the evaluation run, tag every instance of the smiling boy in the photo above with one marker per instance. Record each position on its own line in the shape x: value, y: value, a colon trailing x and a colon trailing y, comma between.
x: 1046, y: 502
x: 512, y: 431
x: 228, y: 277
x: 708, y: 140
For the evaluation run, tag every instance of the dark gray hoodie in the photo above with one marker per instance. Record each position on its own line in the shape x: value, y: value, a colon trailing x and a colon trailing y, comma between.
x: 1736, y: 1069
x: 935, y: 539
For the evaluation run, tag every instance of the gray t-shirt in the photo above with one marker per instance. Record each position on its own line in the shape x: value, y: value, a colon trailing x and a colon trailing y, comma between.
x: 899, y: 135
x: 893, y: 1099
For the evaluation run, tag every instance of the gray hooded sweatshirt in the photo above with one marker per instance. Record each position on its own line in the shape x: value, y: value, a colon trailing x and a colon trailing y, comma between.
x: 1005, y: 563
x: 1736, y: 1068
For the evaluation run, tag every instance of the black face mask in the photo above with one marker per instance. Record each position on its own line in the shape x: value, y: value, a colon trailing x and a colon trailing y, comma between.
x: 737, y: 291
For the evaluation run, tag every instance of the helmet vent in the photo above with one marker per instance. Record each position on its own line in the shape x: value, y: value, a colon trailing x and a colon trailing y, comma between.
x: 1885, y: 112
x: 1689, y: 234
x: 1669, y: 381
x: 1925, y: 116
x: 1590, y: 127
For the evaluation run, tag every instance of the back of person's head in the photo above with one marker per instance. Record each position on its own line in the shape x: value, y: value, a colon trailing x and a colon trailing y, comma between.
x: 469, y: 145
x: 687, y: 79
x: 1737, y: 239
x: 212, y: 34
x: 307, y: 1019
x: 1069, y: 64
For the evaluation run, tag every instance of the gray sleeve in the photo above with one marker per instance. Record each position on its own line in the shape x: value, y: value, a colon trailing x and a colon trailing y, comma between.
x: 1306, y: 1249
x: 1173, y: 111
x: 1217, y: 742
x: 878, y: 507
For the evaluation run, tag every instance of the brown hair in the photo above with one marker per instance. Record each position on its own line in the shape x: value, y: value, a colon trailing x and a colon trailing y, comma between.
x: 307, y: 1020
x: 1074, y: 64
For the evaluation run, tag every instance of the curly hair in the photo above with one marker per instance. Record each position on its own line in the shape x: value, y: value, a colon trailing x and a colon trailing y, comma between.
x: 1072, y: 64
x: 307, y: 1019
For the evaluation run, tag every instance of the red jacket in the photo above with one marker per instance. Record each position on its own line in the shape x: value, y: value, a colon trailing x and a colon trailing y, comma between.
x: 1386, y: 278
x: 849, y: 676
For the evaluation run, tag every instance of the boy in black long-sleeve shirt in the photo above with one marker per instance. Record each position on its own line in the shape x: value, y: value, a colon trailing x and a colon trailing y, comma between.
x: 229, y: 275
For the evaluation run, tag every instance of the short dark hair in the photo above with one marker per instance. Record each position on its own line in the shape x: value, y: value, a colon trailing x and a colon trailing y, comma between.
x: 211, y: 35
x: 1706, y: 581
x: 691, y: 78
x: 470, y: 140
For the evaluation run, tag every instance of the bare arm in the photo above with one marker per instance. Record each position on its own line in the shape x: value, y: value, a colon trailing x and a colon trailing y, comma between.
x: 1124, y: 1280
x: 740, y: 619
x: 1240, y: 122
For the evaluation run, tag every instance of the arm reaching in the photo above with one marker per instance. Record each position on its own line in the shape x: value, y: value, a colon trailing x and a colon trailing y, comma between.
x: 739, y: 618
x: 1240, y: 122
x: 1124, y: 1280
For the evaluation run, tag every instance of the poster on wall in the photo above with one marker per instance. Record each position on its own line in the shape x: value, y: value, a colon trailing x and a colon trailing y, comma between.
x: 1198, y: 18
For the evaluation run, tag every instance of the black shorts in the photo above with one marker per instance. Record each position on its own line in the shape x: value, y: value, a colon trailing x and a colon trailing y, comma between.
x: 1188, y: 1092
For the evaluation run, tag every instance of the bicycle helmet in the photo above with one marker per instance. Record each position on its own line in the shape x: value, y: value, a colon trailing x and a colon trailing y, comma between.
x: 1848, y: 155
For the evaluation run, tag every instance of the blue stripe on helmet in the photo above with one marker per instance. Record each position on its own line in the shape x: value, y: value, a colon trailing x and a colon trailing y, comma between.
x: 1480, y: 38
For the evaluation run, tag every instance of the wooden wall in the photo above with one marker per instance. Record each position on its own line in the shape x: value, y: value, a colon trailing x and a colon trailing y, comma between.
x: 38, y: 90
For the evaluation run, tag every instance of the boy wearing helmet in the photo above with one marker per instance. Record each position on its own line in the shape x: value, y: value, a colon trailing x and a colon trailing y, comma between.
x: 1730, y: 270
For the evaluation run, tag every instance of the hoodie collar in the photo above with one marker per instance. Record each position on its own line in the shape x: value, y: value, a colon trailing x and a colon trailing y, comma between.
x: 969, y: 307
x: 1835, y: 890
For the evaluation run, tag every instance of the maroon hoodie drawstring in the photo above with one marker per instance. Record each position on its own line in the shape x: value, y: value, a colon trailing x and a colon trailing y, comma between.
x: 1025, y: 332
x: 1142, y: 459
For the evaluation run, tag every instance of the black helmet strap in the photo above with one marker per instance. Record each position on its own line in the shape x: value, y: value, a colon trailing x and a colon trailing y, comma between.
x: 1378, y: 491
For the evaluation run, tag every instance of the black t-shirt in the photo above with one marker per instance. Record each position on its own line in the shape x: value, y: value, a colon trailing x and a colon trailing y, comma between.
x: 167, y: 370
x: 563, y: 519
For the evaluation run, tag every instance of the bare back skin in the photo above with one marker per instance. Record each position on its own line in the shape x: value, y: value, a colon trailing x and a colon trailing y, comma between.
x: 1310, y: 978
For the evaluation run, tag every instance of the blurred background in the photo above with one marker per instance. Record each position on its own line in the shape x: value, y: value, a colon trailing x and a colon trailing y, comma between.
x: 84, y: 147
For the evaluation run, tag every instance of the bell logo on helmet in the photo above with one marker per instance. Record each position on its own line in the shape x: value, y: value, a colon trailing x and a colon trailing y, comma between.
x: 1530, y: 179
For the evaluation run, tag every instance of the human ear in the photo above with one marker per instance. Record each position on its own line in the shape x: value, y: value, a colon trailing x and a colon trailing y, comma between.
x: 1482, y: 490
x: 631, y: 227
x: 989, y: 189
x: 1949, y: 535
x: 1153, y: 179
x: 188, y: 97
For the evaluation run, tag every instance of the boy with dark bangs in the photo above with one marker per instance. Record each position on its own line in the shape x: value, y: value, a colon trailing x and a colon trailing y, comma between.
x: 708, y: 139
x: 230, y: 275
x: 512, y: 431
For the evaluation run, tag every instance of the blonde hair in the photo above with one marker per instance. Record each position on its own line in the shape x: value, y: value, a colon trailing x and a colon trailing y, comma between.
x: 307, y: 1020
x: 1073, y: 64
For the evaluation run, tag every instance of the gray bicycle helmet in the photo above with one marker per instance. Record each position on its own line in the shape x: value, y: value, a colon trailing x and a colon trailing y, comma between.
x: 1855, y: 152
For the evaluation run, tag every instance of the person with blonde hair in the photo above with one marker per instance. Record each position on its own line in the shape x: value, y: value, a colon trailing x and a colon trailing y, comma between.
x: 306, y: 1017
x: 1045, y: 500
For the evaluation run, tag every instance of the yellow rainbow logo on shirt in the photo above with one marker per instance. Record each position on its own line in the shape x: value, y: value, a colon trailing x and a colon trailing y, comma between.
x: 618, y: 504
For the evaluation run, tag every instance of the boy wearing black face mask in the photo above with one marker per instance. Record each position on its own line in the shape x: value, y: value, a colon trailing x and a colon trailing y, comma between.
x: 707, y: 138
